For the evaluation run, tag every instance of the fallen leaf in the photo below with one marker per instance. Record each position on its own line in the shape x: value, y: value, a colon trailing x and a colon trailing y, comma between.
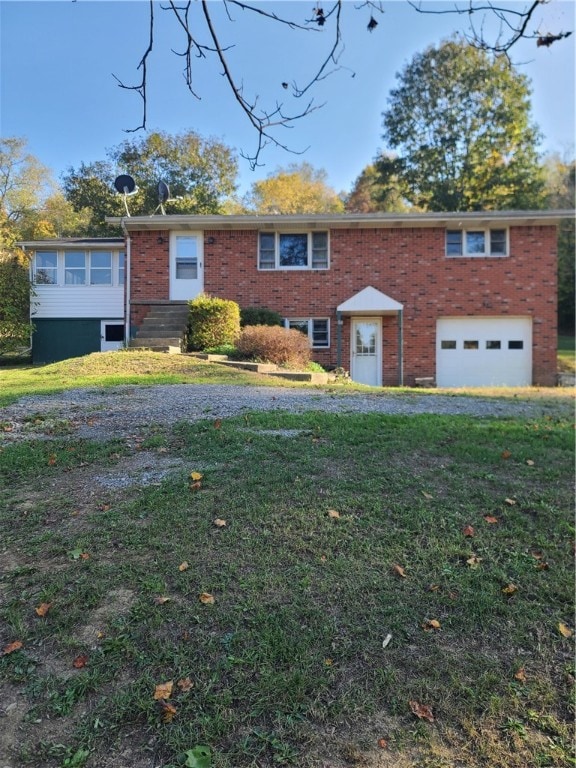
x: 537, y: 554
x: 430, y: 624
x: 168, y: 711
x: 104, y: 507
x: 399, y: 571
x: 433, y: 587
x: 506, y: 454
x: 521, y: 675
x: 490, y: 519
x: 474, y: 561
x: 217, y: 423
x: 80, y: 661
x: 11, y: 647
x: 185, y: 684
x: 542, y: 565
x: 422, y: 711
x: 468, y: 530
x: 530, y: 462
x: 43, y: 609
x: 333, y: 513
x: 84, y: 556
x: 195, y: 486
x: 219, y: 523
x: 510, y: 502
x: 195, y: 476
x: 183, y: 566
x: 564, y: 630
x: 328, y: 662
x: 51, y: 460
x: 161, y: 599
x: 163, y: 690
x: 206, y: 598
x: 382, y: 743
x: 510, y: 589
x: 427, y: 495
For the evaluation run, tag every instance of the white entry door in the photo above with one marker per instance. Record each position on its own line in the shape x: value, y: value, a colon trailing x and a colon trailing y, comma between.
x: 366, y: 350
x: 186, y: 265
x: 111, y: 335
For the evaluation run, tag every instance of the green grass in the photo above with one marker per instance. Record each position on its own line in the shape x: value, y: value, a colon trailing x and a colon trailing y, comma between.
x: 566, y: 353
x: 287, y: 665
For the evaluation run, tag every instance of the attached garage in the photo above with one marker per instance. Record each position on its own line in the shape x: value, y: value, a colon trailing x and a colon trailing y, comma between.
x: 483, y: 351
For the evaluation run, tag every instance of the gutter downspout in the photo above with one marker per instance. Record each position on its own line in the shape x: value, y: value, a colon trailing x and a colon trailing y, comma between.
x: 126, y: 286
x: 339, y: 323
x: 400, y: 346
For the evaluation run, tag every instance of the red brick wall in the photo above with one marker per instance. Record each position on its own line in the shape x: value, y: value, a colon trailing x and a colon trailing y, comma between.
x: 409, y: 265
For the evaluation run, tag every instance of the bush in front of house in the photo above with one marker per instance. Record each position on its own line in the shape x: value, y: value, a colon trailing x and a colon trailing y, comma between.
x: 259, y: 316
x: 272, y: 344
x: 212, y: 322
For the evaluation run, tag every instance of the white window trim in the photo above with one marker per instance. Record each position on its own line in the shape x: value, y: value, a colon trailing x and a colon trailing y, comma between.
x: 61, y: 269
x: 487, y: 240
x: 310, y: 321
x: 308, y: 268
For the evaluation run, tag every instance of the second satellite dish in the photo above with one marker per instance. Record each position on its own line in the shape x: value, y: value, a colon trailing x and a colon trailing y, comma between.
x: 163, y: 196
x: 125, y: 185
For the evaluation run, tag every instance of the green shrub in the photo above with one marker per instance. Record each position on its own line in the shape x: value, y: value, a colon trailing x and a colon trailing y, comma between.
x: 259, y: 316
x: 272, y: 344
x: 212, y: 322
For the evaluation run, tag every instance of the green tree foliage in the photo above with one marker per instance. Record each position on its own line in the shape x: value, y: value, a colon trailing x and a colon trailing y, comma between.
x: 460, y: 122
x: 15, y: 326
x: 298, y: 188
x: 212, y: 322
x: 379, y: 188
x: 201, y: 174
x: 561, y: 194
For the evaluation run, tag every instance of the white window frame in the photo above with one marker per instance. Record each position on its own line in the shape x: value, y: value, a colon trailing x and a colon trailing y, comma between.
x: 487, y: 233
x: 310, y: 329
x: 118, y: 272
x: 309, y: 254
x: 52, y: 270
x: 92, y: 269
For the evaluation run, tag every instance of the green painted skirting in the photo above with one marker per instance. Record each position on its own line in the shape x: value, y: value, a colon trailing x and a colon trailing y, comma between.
x: 59, y: 339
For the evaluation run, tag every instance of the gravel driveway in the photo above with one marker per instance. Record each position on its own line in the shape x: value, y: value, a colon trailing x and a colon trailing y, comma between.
x: 101, y: 414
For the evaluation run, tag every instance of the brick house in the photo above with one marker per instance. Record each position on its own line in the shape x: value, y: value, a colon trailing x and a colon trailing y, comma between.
x: 461, y: 298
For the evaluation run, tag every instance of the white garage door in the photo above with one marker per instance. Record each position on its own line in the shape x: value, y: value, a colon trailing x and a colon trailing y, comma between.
x: 483, y: 351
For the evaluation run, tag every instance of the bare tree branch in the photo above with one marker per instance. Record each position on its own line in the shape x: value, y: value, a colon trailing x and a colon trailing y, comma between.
x: 141, y: 88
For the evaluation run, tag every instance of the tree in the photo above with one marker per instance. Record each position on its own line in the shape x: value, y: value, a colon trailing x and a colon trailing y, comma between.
x: 207, y: 29
x: 15, y: 326
x: 378, y: 188
x: 201, y: 174
x: 298, y: 188
x: 560, y: 193
x: 24, y: 184
x: 460, y: 122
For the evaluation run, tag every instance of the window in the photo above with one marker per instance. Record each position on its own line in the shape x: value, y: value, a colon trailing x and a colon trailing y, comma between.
x: 46, y: 268
x: 298, y: 250
x: 317, y: 330
x: 114, y: 332
x: 101, y: 268
x: 121, y: 268
x: 449, y: 344
x: 470, y: 345
x: 476, y: 242
x: 493, y: 345
x: 515, y: 345
x: 186, y: 262
x: 75, y: 268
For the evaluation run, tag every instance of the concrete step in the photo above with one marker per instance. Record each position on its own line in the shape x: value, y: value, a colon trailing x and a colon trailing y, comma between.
x: 160, y: 330
x: 156, y: 341
x: 171, y: 350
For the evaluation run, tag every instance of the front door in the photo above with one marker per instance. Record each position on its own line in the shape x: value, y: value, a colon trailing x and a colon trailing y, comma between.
x: 366, y: 350
x: 111, y: 335
x: 186, y: 265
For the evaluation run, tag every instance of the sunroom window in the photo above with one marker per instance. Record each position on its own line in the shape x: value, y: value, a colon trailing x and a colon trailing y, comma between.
x: 75, y: 268
x: 46, y: 268
x: 101, y: 268
x: 293, y: 250
x: 476, y: 242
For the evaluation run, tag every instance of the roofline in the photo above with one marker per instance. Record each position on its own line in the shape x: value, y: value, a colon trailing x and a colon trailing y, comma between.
x: 338, y: 221
x: 73, y: 242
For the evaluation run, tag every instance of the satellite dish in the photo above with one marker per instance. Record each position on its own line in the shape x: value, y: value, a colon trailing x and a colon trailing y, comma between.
x: 163, y: 196
x: 125, y: 185
x: 163, y: 192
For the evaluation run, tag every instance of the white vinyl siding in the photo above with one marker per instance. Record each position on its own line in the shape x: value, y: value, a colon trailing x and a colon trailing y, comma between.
x: 78, y: 301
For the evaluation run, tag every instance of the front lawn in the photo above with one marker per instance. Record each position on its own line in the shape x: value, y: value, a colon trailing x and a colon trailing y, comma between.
x: 314, y: 591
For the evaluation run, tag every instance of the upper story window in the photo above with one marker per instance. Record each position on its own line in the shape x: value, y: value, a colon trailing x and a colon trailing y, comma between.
x: 46, y: 267
x: 476, y: 242
x: 293, y: 250
x: 317, y: 330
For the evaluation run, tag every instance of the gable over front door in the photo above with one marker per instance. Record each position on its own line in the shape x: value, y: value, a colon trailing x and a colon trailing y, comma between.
x: 186, y: 265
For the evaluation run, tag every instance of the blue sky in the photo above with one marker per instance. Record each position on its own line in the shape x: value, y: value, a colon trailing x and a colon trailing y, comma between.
x: 57, y: 89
